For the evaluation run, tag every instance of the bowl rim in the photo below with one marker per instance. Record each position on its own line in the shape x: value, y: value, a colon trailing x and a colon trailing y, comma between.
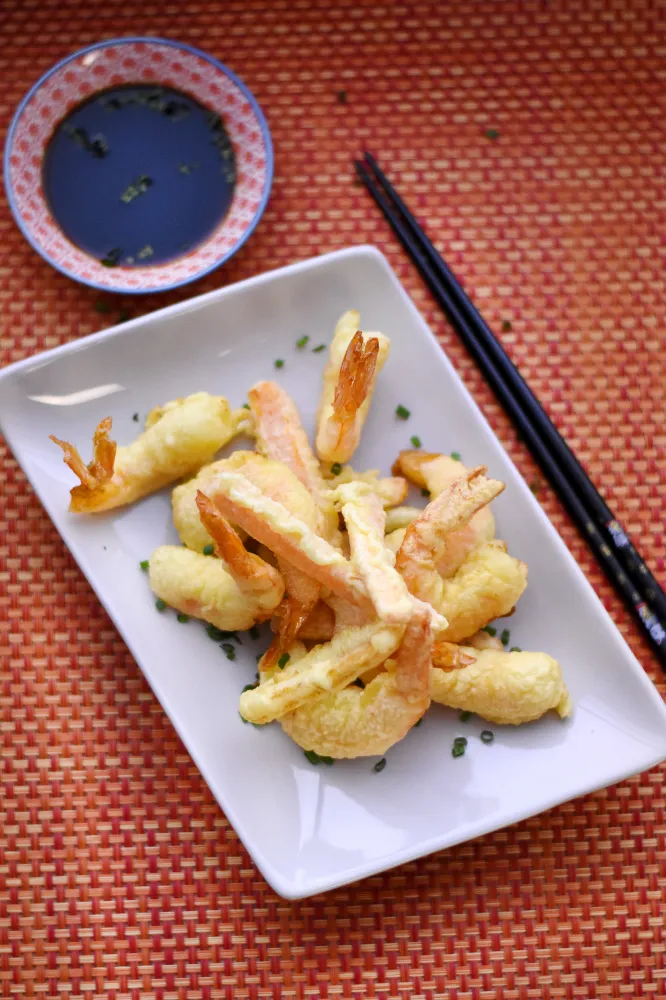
x: 155, y: 40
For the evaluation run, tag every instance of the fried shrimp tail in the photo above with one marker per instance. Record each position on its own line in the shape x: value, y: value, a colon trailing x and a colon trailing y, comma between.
x: 252, y: 575
x: 354, y: 362
x: 179, y: 438
x: 96, y: 477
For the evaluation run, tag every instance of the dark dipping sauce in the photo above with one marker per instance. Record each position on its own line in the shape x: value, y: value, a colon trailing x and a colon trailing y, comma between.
x: 139, y: 174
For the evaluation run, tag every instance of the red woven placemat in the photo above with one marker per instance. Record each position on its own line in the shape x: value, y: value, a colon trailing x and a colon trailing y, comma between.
x: 119, y: 875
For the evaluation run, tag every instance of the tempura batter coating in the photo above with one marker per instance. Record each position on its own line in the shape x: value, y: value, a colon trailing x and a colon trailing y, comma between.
x: 185, y: 437
x: 203, y: 587
x: 504, y: 688
x: 326, y: 668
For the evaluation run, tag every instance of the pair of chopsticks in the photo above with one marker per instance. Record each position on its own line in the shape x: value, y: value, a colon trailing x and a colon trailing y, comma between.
x: 606, y: 537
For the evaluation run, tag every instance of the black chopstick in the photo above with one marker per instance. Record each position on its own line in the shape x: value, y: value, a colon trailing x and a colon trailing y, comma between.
x: 619, y: 559
x: 604, y: 519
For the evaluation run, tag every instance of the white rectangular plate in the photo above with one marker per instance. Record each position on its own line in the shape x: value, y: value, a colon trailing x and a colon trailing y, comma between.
x: 312, y: 828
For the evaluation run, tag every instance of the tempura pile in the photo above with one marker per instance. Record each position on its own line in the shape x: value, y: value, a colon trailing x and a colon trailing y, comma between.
x: 377, y: 609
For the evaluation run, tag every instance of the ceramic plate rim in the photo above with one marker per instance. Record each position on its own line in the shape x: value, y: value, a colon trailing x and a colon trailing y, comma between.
x: 134, y: 39
x: 316, y: 884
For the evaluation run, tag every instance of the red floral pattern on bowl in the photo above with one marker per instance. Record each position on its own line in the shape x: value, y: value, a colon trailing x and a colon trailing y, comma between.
x: 128, y: 61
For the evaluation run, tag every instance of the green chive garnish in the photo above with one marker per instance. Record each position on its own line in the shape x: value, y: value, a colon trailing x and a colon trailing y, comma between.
x: 242, y: 718
x: 336, y: 469
x: 457, y: 750
x: 123, y: 316
x: 101, y: 306
x: 465, y: 716
x: 402, y: 412
x: 160, y: 604
x: 229, y: 650
x: 259, y: 656
x: 380, y: 765
x: 246, y: 406
x: 208, y: 550
x: 248, y: 687
x: 490, y: 629
x: 284, y: 660
x: 254, y: 632
x: 460, y: 741
x: 342, y: 96
x: 182, y: 618
x: 316, y: 758
x: 302, y: 342
x: 535, y: 486
x: 359, y: 682
x: 144, y: 564
x: 416, y: 441
x: 279, y: 363
x: 486, y: 736
x: 214, y: 633
x: 135, y: 418
x: 321, y: 347
x: 505, y: 636
x: 455, y: 455
x: 506, y: 325
x: 515, y: 649
x: 418, y: 723
x: 492, y: 133
x: 425, y: 492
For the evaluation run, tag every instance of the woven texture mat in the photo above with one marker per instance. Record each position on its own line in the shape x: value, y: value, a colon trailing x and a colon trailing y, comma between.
x: 119, y: 875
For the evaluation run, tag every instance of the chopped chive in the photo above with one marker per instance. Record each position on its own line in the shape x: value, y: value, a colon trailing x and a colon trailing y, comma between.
x: 492, y: 133
x: 425, y: 492
x: 102, y: 307
x: 302, y: 341
x: 380, y: 765
x: 460, y: 741
x: 336, y: 469
x: 284, y: 660
x: 455, y: 455
x: 418, y: 723
x: 342, y: 96
x: 457, y: 750
x: 515, y: 649
x: 246, y: 406
x: 279, y: 363
x: 535, y: 485
x: 506, y: 325
x: 248, y: 687
x: 214, y: 632
x: 359, y: 682
x: 402, y: 412
x: 208, y: 550
x: 123, y: 316
x: 144, y: 564
x: 490, y: 629
x: 182, y: 618
x: 486, y: 736
x: 135, y: 418
x: 465, y: 716
x: 229, y: 650
x: 416, y: 441
x: 160, y: 604
x: 316, y: 758
x: 242, y: 718
x: 505, y: 636
x: 321, y: 347
x: 254, y: 632
x: 259, y: 656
